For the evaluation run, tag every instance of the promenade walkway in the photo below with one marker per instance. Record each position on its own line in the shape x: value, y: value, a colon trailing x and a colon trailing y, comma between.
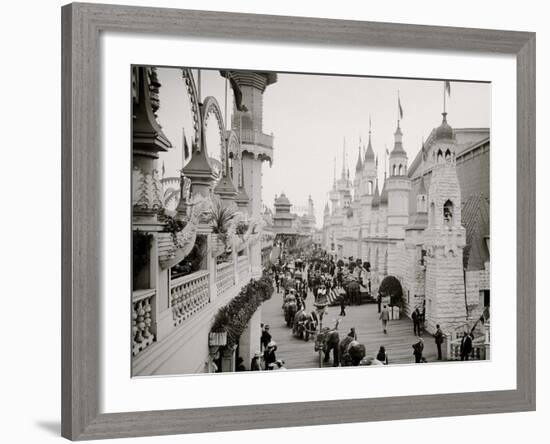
x: 298, y: 353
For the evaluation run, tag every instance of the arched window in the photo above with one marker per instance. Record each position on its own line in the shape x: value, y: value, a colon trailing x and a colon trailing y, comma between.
x: 448, y: 212
x: 439, y: 156
x: 369, y: 191
x: 393, y: 173
x: 448, y: 157
x: 400, y: 169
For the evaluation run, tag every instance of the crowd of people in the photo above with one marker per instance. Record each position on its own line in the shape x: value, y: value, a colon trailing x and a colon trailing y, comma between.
x: 319, y: 274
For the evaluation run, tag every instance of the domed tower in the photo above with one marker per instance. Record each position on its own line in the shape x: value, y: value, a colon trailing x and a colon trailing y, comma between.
x: 257, y: 147
x: 370, y: 173
x: 444, y: 237
x: 399, y: 187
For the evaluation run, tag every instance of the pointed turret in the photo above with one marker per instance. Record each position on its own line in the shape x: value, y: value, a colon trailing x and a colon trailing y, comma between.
x: 369, y: 155
x: 398, y: 188
x: 376, y: 197
x: 398, y: 156
x: 359, y: 164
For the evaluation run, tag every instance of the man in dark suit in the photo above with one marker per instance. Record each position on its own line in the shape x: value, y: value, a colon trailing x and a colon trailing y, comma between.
x: 438, y: 341
x: 466, y: 346
x: 416, y: 321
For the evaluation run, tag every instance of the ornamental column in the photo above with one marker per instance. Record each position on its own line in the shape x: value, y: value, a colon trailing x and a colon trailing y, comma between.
x: 256, y: 147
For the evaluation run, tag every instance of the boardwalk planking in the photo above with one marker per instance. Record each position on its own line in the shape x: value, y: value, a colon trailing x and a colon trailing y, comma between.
x: 300, y: 354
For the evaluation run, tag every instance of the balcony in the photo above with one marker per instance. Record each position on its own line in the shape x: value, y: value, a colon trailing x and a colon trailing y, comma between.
x: 188, y: 295
x: 142, y: 321
x: 250, y: 136
x: 225, y: 277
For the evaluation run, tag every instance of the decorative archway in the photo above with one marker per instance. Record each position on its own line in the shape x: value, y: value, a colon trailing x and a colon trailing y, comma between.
x: 391, y: 286
x: 211, y: 106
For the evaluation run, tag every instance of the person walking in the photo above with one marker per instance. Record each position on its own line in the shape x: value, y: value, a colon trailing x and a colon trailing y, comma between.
x: 438, y: 341
x: 418, y: 349
x: 277, y: 281
x: 416, y: 321
x: 382, y: 356
x: 466, y: 346
x: 265, y: 339
x: 342, y: 305
x: 385, y: 317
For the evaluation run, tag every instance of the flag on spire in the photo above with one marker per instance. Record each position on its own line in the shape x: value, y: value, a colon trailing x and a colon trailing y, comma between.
x: 399, y: 107
x: 448, y: 87
x: 446, y: 90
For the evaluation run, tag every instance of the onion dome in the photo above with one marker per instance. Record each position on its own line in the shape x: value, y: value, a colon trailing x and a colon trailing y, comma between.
x: 444, y: 131
x: 384, y: 195
x: 376, y: 197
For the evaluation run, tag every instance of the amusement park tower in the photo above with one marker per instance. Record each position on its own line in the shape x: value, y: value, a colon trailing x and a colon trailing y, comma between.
x: 257, y: 147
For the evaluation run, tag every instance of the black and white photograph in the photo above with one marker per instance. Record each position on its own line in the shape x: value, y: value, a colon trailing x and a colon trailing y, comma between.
x: 287, y: 221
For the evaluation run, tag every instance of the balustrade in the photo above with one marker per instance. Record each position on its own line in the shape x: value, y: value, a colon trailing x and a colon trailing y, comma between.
x: 225, y: 277
x: 242, y: 268
x: 142, y: 311
x: 188, y: 295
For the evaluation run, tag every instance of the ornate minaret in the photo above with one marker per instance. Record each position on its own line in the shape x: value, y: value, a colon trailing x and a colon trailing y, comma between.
x: 445, y: 237
x: 247, y: 122
x: 148, y: 140
x: 399, y: 187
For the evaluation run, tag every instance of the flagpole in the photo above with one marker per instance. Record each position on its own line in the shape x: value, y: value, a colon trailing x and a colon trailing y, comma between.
x: 225, y: 110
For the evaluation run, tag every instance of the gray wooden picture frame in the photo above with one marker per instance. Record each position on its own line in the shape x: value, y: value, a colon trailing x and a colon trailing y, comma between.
x: 81, y: 174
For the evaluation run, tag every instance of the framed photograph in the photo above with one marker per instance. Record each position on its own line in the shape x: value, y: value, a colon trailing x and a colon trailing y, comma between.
x: 281, y: 221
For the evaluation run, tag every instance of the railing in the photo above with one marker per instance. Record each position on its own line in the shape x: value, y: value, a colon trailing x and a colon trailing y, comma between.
x: 480, y: 350
x: 142, y: 310
x: 225, y: 277
x: 188, y: 295
x: 242, y: 268
x: 481, y: 345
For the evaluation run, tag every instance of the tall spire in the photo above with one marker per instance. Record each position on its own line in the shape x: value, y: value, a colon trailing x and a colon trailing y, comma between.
x: 369, y: 155
x: 334, y: 176
x: 344, y: 160
x: 359, y: 165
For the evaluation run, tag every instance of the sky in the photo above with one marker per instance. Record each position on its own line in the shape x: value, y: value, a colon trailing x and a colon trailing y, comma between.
x: 312, y: 116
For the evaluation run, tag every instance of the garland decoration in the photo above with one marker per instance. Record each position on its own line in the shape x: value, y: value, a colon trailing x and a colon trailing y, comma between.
x: 233, y: 318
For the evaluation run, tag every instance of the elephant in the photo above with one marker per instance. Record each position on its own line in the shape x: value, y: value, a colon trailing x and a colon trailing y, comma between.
x: 290, y: 308
x: 326, y: 341
x: 304, y: 324
x: 351, y: 351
